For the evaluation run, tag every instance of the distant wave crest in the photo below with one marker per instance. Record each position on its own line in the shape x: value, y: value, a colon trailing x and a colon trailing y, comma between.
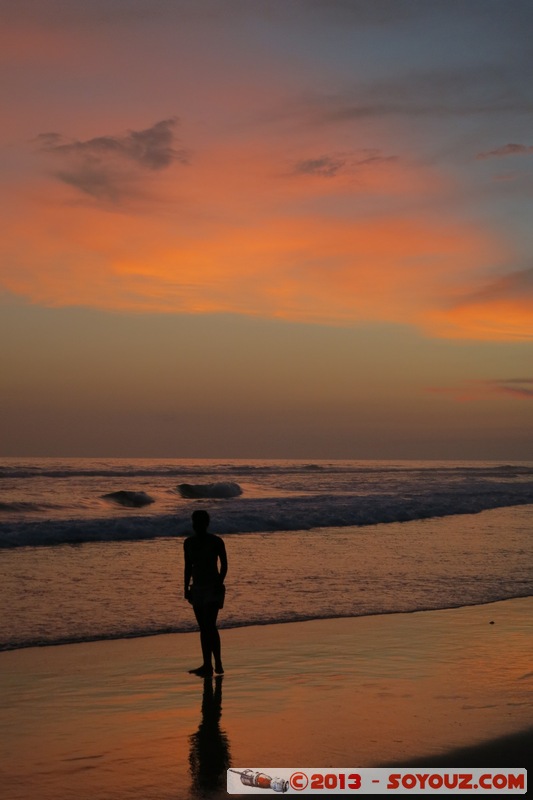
x: 214, y: 490
x: 275, y: 468
x: 129, y: 499
x: 26, y: 505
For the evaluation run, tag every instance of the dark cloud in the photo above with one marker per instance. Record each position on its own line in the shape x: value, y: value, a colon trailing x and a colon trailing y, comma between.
x: 107, y: 167
x: 499, y: 86
x: 507, y: 150
x: 328, y: 166
x: 517, y: 387
x: 473, y: 390
x: 151, y: 148
x: 325, y: 166
x: 515, y: 285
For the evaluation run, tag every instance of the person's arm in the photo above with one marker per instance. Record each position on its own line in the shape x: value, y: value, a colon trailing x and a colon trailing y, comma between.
x: 188, y: 570
x: 223, y: 561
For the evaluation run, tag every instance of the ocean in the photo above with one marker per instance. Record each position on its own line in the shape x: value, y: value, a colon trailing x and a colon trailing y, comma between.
x: 92, y: 548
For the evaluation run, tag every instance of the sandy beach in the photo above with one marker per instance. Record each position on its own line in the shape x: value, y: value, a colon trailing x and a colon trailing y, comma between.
x: 124, y: 719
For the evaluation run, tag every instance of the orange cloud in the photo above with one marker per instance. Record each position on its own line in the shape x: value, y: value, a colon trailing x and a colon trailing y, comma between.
x: 307, y: 268
x: 503, y: 320
x: 240, y: 230
x: 501, y: 311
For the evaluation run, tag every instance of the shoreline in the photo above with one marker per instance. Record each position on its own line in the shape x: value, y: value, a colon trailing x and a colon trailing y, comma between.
x: 123, y: 718
x: 252, y: 625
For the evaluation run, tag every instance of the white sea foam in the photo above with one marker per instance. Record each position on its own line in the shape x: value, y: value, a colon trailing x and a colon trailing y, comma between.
x: 268, y: 515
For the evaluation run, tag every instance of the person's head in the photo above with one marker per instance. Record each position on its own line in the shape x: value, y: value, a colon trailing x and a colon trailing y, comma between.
x: 200, y: 521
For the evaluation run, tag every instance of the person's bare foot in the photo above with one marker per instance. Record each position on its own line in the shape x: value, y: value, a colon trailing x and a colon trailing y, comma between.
x: 202, y: 672
x: 219, y: 669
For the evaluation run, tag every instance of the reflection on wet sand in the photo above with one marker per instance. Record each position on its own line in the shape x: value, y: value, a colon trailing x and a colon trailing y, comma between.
x: 209, y: 756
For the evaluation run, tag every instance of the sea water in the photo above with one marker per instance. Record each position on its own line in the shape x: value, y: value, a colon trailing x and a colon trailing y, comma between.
x: 92, y: 549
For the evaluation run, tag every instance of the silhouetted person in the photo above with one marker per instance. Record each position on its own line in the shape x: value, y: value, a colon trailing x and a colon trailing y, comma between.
x: 203, y: 551
x: 209, y: 756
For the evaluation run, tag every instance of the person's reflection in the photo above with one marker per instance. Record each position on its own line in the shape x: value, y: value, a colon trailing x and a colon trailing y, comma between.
x: 209, y: 756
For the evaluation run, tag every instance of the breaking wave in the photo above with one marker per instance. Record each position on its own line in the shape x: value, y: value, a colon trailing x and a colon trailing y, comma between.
x: 268, y: 515
x: 129, y: 499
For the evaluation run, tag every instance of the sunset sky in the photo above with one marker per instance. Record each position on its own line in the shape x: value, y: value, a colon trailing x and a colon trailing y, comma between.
x: 267, y: 228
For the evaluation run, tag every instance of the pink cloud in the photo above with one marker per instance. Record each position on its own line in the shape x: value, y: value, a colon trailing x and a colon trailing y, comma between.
x: 474, y: 390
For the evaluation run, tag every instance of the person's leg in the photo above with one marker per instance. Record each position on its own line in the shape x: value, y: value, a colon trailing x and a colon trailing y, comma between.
x: 211, y: 614
x: 205, y: 641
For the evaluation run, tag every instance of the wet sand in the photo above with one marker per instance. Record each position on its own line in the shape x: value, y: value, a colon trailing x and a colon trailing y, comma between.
x: 124, y: 719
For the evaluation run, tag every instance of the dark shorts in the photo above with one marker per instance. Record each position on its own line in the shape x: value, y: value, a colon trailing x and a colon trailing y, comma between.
x: 202, y: 596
